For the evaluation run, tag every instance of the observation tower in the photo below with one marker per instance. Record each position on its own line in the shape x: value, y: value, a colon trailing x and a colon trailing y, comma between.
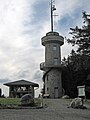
x: 52, y: 65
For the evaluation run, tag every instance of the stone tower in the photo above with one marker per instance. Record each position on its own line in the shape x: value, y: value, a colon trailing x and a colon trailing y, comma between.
x: 52, y: 65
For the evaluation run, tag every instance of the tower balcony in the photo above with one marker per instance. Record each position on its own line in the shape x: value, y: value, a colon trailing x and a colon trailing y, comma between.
x: 52, y: 37
x: 44, y: 66
x: 58, y: 66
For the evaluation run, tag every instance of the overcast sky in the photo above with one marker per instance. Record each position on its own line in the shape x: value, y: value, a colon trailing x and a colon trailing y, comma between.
x: 22, y: 24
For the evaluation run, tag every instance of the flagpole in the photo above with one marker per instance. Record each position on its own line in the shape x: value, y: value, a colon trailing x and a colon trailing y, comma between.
x: 52, y: 9
x: 51, y: 16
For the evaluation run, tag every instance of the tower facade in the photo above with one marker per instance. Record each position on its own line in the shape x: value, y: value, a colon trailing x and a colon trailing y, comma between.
x: 52, y: 65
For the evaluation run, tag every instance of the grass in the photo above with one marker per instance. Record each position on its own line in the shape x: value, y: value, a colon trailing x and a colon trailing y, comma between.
x: 10, y: 101
x: 16, y: 101
x: 37, y: 101
x: 88, y: 101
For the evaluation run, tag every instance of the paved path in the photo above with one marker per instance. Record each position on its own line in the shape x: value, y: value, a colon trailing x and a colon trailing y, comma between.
x: 56, y: 110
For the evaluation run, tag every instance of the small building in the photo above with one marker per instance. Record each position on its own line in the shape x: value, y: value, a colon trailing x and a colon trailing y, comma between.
x: 20, y: 88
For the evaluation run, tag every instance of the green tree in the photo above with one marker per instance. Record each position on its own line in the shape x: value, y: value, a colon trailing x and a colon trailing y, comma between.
x: 77, y: 64
x: 81, y: 36
x: 68, y: 74
x: 74, y: 73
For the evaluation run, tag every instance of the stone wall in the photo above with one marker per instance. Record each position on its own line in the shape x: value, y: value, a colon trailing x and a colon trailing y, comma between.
x: 52, y: 66
x: 51, y: 54
x: 53, y: 83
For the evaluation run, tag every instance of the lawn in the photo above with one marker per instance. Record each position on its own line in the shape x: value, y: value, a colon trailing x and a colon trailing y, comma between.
x: 10, y: 101
x: 37, y: 101
x: 88, y: 101
x: 16, y: 101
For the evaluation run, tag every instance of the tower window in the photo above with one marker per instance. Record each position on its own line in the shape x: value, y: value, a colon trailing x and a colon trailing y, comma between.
x: 47, y: 89
x: 55, y: 61
x: 56, y: 88
x: 47, y: 77
x: 54, y: 47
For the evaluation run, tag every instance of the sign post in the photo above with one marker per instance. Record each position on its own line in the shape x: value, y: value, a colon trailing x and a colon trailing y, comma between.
x: 81, y: 92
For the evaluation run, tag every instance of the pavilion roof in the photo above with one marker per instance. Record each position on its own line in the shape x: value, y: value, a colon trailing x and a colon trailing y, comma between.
x: 22, y: 83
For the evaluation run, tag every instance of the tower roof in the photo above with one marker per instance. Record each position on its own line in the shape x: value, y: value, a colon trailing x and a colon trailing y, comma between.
x: 52, y: 37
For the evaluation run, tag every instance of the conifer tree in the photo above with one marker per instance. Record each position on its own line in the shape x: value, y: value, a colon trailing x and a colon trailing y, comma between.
x: 81, y: 36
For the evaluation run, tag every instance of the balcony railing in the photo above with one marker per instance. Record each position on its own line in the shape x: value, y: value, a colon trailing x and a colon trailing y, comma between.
x: 52, y: 39
x: 42, y: 66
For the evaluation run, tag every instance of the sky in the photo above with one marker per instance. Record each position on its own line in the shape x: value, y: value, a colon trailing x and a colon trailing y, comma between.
x: 22, y: 25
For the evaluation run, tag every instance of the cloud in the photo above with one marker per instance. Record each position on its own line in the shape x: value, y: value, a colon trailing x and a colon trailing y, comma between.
x: 4, y: 80
x: 22, y: 24
x: 69, y: 15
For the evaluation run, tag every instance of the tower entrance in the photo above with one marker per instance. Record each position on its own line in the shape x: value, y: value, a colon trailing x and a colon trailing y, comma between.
x: 56, y: 92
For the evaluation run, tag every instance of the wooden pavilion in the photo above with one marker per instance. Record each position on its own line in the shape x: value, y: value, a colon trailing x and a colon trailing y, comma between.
x: 20, y: 88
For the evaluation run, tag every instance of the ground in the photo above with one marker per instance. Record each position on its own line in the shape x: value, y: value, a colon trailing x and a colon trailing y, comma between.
x: 54, y: 110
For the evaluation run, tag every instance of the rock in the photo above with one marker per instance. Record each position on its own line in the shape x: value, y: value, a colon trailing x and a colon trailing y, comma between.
x: 27, y: 99
x: 65, y: 97
x: 77, y: 103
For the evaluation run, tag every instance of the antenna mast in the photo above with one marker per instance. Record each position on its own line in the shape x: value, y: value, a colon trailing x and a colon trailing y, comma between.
x: 52, y: 9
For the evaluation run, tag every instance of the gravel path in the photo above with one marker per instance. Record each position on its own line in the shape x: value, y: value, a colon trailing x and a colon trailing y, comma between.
x: 56, y: 110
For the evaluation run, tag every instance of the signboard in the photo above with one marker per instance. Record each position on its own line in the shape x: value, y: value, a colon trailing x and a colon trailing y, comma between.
x: 81, y: 90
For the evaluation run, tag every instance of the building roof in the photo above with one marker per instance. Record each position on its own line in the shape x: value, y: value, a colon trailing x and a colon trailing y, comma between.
x: 21, y: 83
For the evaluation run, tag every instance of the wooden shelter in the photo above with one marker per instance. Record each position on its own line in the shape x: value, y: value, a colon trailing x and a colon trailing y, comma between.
x: 20, y: 88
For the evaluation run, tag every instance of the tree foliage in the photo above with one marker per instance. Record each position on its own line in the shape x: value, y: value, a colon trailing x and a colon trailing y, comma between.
x: 76, y: 67
x: 74, y: 73
x: 81, y: 36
